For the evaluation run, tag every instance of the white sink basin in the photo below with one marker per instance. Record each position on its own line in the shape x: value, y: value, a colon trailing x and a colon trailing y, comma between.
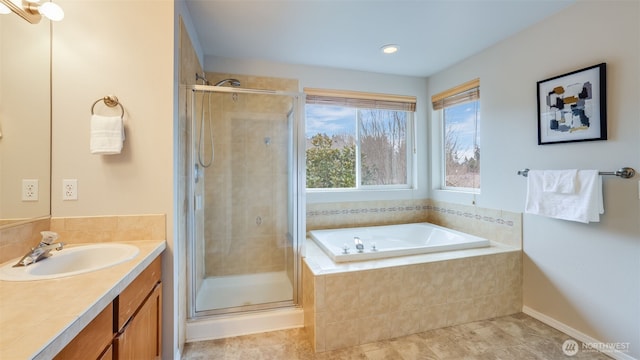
x: 70, y: 261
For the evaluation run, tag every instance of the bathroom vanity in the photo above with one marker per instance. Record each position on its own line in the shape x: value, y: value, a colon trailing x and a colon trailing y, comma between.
x: 113, y: 313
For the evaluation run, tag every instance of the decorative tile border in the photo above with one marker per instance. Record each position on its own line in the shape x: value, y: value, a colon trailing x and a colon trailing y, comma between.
x: 372, y: 210
x: 406, y: 209
x: 498, y: 225
x: 469, y: 215
x: 365, y: 213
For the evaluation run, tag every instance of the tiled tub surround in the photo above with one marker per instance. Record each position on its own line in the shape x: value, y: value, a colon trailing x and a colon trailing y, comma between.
x: 361, y: 302
x: 498, y: 225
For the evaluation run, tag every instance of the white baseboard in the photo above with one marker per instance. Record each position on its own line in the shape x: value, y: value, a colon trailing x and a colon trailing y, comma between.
x: 618, y: 355
x: 245, y: 324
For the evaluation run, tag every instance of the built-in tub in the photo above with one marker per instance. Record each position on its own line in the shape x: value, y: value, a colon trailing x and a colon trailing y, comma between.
x: 392, y: 240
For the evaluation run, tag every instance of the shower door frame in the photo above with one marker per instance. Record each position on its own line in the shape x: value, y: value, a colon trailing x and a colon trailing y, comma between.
x: 297, y: 178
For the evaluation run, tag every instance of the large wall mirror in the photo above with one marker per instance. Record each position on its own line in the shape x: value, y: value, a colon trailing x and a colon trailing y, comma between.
x: 25, y: 120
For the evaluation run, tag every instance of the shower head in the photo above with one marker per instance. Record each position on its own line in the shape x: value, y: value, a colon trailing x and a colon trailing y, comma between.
x: 232, y: 82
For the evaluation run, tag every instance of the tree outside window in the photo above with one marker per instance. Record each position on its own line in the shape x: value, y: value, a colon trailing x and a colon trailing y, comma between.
x: 462, y: 146
x: 356, y: 147
x: 460, y: 110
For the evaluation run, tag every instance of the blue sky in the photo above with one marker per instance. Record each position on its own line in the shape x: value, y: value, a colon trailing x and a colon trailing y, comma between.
x: 461, y: 118
x: 329, y: 120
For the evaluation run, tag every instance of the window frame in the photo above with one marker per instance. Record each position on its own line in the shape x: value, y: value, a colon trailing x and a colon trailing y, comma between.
x: 458, y: 95
x: 365, y: 100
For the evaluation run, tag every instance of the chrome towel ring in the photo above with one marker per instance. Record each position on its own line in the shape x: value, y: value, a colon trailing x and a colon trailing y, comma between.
x: 110, y: 101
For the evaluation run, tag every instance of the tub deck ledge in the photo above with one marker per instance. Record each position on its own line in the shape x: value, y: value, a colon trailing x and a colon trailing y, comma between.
x: 320, y: 264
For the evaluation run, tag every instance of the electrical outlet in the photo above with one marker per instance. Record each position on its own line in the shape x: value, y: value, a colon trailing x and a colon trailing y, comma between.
x: 29, y: 189
x: 70, y: 189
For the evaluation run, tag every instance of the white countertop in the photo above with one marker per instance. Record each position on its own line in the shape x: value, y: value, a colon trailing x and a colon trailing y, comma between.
x: 39, y: 318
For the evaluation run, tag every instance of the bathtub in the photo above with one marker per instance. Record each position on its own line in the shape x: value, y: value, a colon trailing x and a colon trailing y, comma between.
x: 378, y: 242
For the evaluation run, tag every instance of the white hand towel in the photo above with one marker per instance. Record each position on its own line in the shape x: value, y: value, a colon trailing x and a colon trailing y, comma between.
x: 107, y: 135
x: 560, y: 181
x: 585, y: 205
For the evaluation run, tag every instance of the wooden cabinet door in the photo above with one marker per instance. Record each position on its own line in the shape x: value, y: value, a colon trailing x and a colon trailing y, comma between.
x: 92, y: 340
x: 108, y: 354
x: 141, y: 337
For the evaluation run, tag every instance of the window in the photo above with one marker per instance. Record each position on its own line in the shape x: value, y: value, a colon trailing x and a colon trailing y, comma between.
x: 460, y: 109
x: 358, y: 140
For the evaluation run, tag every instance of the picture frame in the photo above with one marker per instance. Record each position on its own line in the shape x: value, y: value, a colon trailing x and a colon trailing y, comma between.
x: 572, y: 107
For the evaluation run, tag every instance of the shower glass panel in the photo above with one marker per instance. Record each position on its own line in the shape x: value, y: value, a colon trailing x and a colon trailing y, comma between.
x: 245, y: 213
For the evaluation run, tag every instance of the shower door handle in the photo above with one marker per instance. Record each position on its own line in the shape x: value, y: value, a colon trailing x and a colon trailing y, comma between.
x: 196, y: 173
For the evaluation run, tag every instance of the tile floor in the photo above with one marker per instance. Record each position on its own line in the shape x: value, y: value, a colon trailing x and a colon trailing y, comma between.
x: 514, y: 337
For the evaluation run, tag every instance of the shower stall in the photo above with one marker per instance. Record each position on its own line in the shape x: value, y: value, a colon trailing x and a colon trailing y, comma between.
x: 245, y: 214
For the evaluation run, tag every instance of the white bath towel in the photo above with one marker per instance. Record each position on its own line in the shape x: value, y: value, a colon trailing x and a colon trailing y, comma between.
x: 107, y: 134
x: 560, y: 181
x: 584, y: 205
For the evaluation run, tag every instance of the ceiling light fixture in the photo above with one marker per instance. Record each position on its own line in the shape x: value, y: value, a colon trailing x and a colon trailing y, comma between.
x: 32, y: 11
x: 389, y: 48
x: 4, y: 9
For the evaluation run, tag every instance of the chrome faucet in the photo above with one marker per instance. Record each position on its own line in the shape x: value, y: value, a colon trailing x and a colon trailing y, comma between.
x: 43, y: 250
x: 359, y: 244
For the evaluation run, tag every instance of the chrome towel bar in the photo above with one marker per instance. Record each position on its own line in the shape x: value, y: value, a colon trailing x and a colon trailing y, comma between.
x: 625, y: 172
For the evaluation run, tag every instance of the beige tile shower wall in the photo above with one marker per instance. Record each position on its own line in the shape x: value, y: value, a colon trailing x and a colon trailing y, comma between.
x: 110, y: 228
x: 365, y: 213
x: 16, y: 240
x: 246, y: 195
x: 364, y: 306
x: 497, y: 225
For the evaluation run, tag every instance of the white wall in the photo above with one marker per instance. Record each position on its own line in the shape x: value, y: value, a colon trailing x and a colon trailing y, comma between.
x: 124, y: 48
x: 586, y: 277
x: 330, y: 78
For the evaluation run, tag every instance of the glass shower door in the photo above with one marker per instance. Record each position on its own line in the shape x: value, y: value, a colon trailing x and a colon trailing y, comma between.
x: 245, y: 208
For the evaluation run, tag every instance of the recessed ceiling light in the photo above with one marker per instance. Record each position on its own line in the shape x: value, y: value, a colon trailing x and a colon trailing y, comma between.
x: 389, y: 48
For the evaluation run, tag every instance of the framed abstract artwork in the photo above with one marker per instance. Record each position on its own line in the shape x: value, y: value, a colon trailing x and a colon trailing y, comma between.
x: 572, y: 107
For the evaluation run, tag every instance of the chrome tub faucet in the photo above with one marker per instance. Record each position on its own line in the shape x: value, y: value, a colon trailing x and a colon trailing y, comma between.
x: 359, y: 244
